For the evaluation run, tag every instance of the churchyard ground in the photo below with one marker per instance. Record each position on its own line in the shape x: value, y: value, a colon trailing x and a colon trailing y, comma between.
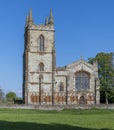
x: 67, y: 119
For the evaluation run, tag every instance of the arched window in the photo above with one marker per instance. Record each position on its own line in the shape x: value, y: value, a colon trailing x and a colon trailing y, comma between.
x: 40, y: 77
x: 61, y: 86
x: 82, y: 80
x: 41, y: 67
x: 41, y: 43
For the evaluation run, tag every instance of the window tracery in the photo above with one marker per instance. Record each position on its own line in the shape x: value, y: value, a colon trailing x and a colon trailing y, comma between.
x: 82, y: 80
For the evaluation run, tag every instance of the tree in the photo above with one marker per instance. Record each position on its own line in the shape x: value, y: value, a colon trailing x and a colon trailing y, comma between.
x: 10, y: 96
x: 106, y: 75
x: 1, y: 94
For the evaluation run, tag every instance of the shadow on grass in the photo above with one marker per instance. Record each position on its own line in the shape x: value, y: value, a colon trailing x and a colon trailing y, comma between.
x: 5, y: 125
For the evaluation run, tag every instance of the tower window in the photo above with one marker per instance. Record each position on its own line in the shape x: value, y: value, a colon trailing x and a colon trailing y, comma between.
x: 41, y: 43
x: 41, y: 67
x: 61, y: 86
x: 82, y: 80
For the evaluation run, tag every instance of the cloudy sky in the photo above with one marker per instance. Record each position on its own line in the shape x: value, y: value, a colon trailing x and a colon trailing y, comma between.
x: 82, y: 28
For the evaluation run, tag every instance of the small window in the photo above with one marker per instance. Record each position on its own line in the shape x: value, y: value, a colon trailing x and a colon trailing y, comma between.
x: 41, y: 43
x: 41, y: 67
x: 61, y: 86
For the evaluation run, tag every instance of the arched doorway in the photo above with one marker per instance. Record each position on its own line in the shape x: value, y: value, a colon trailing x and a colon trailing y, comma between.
x: 82, y: 100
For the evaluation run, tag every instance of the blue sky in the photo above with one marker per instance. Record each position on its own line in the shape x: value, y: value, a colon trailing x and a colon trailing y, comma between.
x: 83, y: 28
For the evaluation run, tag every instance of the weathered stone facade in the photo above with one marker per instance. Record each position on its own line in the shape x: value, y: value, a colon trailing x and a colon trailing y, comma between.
x: 43, y: 83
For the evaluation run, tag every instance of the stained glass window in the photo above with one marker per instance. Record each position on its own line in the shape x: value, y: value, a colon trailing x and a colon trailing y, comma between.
x: 82, y: 81
x: 61, y: 86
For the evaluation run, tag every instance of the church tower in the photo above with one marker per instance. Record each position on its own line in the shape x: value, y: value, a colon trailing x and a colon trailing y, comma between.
x: 43, y: 82
x: 39, y: 61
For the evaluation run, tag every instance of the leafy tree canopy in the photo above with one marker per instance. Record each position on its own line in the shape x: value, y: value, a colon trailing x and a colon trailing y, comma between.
x: 106, y: 75
x: 10, y: 96
x: 1, y: 94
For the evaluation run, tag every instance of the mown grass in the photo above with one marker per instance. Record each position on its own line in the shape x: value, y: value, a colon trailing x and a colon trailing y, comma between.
x: 68, y: 119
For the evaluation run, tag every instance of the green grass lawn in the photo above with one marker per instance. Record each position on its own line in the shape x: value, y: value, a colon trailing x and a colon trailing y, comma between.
x: 20, y: 119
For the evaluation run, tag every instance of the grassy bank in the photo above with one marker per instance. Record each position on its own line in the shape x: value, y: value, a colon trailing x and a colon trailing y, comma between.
x: 20, y: 119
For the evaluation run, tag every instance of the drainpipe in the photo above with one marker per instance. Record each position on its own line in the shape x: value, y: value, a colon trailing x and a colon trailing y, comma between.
x: 66, y: 90
x: 95, y: 90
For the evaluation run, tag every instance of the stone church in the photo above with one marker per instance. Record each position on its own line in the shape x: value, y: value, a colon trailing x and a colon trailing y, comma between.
x: 43, y: 82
